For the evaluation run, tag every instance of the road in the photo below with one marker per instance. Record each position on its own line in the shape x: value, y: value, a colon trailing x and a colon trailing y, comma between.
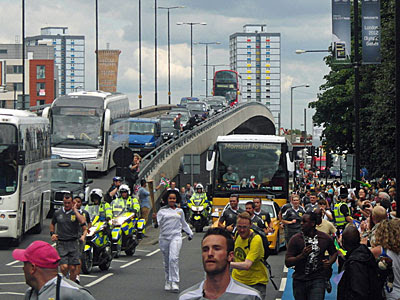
x: 138, y: 277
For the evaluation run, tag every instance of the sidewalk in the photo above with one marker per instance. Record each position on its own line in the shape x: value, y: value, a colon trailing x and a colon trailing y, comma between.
x: 151, y: 236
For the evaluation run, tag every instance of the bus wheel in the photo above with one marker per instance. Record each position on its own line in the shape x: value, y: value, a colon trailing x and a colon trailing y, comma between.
x: 38, y: 228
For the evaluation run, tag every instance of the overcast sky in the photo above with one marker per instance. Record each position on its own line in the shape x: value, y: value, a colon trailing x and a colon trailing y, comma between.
x: 304, y: 24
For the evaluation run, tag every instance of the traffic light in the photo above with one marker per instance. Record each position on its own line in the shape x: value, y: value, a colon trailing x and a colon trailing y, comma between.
x: 340, y: 51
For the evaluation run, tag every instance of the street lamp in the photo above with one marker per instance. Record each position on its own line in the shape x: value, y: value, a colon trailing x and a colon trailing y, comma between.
x: 191, y: 49
x: 207, y: 43
x: 97, y: 45
x: 169, y: 49
x: 23, y: 54
x: 291, y: 107
x: 140, y: 54
x: 155, y: 52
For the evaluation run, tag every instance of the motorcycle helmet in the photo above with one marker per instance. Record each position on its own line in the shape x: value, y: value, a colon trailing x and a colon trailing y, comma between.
x: 124, y: 188
x: 96, y: 194
x: 117, y: 178
x: 199, y: 186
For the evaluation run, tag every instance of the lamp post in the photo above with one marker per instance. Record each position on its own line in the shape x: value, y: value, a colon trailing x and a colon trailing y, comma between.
x: 207, y: 43
x: 155, y: 52
x: 291, y: 107
x: 23, y: 54
x: 97, y: 45
x: 191, y: 49
x: 140, y: 54
x: 169, y: 49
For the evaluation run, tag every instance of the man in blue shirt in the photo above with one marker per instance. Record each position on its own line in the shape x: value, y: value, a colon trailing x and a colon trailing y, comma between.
x: 144, y: 200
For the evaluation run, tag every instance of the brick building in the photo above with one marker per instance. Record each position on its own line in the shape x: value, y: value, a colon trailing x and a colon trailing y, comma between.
x: 108, y: 70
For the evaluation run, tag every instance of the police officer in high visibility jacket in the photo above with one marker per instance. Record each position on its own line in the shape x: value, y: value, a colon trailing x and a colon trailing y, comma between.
x: 199, y: 198
x: 342, y: 211
x: 125, y: 202
x: 103, y: 209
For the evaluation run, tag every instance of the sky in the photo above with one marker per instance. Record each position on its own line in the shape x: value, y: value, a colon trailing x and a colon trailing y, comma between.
x: 304, y: 24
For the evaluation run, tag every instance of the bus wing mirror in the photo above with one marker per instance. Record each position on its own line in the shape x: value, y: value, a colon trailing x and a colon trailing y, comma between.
x: 107, y: 120
x: 290, y: 163
x: 46, y: 112
x: 210, y: 160
x: 21, y: 158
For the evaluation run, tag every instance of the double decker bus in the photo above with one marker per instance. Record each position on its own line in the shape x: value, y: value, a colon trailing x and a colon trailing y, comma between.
x: 89, y: 126
x: 227, y: 83
x: 24, y: 173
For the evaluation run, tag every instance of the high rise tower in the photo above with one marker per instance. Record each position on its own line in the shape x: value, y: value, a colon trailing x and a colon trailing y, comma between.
x: 108, y: 70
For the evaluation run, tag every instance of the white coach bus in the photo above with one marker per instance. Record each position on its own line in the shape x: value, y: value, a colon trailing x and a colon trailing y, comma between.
x: 24, y: 184
x: 87, y: 126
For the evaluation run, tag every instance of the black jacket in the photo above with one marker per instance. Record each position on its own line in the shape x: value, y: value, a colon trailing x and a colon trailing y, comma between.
x: 360, y: 278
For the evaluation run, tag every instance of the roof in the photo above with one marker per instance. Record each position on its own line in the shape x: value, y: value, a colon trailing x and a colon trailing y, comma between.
x: 143, y: 120
x: 16, y: 113
x: 250, y: 138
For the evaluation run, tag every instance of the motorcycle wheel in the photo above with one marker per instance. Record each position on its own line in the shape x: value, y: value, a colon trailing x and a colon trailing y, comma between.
x: 131, y: 247
x: 87, y: 262
x: 106, y: 265
x: 118, y: 251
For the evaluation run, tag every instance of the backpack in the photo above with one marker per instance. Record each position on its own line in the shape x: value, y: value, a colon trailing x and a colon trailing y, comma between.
x: 265, y: 242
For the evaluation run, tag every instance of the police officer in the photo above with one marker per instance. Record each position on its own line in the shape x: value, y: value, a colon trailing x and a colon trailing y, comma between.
x: 292, y: 217
x: 229, y: 215
x: 113, y: 190
x: 125, y: 202
x: 200, y: 198
x: 341, y: 211
x: 99, y: 208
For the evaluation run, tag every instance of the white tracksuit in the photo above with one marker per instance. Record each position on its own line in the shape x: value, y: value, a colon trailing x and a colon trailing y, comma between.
x: 171, y: 222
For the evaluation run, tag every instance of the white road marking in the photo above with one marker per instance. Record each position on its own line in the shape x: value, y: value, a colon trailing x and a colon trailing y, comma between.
x: 184, y: 237
x: 12, y: 263
x: 12, y: 293
x: 99, y: 280
x: 17, y: 274
x: 90, y: 276
x: 12, y: 283
x: 120, y: 260
x: 140, y: 250
x: 130, y: 263
x: 283, y: 285
x: 154, y: 252
x: 285, y: 269
x: 19, y: 266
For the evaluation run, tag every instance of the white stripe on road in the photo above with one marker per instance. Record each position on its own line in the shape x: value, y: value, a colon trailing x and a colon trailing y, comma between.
x: 283, y: 285
x: 17, y: 274
x: 154, y: 252
x: 89, y: 276
x: 285, y: 269
x: 99, y: 280
x: 120, y: 260
x: 140, y: 250
x: 12, y: 283
x: 19, y: 266
x: 12, y: 263
x: 12, y: 293
x: 130, y: 263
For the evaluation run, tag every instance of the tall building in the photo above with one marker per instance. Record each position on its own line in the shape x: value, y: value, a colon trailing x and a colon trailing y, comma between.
x: 108, y: 70
x: 256, y: 55
x: 69, y: 56
x: 40, y: 81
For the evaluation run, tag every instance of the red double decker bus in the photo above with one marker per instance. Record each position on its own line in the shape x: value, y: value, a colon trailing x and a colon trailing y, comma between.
x: 227, y: 83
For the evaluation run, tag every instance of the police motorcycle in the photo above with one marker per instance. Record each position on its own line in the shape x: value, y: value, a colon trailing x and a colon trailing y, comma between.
x: 127, y: 228
x: 97, y: 250
x: 199, y: 213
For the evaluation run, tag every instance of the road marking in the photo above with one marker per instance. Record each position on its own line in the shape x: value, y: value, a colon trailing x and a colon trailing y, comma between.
x: 120, y: 260
x: 283, y: 285
x: 130, y: 263
x: 140, y: 250
x: 17, y: 274
x: 154, y: 252
x: 184, y: 237
x: 285, y: 269
x: 90, y: 276
x: 12, y: 263
x: 12, y: 283
x: 12, y: 293
x: 99, y: 280
x: 19, y: 266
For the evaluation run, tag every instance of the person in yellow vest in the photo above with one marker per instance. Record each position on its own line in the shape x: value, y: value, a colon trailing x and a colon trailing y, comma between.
x: 125, y: 202
x: 341, y: 211
x: 199, y: 198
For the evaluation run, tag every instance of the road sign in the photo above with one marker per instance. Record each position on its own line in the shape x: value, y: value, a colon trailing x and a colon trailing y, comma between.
x: 123, y: 156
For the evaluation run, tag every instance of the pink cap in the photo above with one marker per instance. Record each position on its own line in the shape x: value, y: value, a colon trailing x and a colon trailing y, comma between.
x: 38, y: 253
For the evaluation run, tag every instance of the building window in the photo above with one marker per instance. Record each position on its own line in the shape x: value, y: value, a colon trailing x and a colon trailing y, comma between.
x: 40, y: 102
x: 40, y: 72
x: 40, y: 89
x: 17, y: 87
x: 3, y: 51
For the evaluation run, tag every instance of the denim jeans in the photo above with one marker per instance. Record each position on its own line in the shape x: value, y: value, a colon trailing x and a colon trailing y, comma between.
x: 309, y: 289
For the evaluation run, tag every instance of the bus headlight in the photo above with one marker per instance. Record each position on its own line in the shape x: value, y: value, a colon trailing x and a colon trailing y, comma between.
x: 100, y: 153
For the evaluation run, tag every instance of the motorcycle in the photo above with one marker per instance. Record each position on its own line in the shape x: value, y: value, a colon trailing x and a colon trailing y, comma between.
x: 97, y: 250
x: 198, y: 217
x: 124, y: 237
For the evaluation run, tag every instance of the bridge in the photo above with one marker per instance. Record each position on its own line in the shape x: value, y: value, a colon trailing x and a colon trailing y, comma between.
x: 245, y: 118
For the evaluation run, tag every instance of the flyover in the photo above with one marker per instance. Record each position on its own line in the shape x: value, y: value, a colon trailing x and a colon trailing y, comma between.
x: 246, y: 118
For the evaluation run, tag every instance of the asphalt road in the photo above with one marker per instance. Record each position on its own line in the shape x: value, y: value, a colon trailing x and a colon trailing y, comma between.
x: 138, y: 277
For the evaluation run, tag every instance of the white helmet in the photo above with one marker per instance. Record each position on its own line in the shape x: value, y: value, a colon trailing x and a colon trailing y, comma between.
x: 97, y: 192
x: 124, y: 188
x: 199, y: 186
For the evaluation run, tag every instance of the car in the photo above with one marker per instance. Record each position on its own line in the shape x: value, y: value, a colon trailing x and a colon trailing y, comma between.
x: 183, y: 111
x: 185, y: 100
x: 217, y: 105
x: 276, y: 238
x: 199, y: 108
x: 68, y: 176
x: 168, y: 130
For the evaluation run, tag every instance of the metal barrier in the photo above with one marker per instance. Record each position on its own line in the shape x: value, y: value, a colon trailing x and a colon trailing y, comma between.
x: 163, y: 151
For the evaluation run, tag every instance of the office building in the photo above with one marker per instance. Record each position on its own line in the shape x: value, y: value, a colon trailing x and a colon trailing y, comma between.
x: 108, y: 70
x: 40, y: 81
x: 256, y: 55
x: 69, y: 56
